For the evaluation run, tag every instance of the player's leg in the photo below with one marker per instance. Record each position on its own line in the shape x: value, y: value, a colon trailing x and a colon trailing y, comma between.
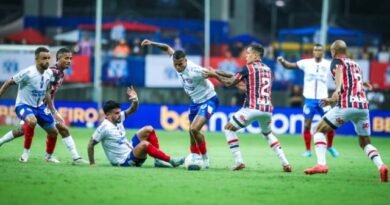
x: 308, y: 113
x: 331, y: 120
x: 194, y: 108
x: 12, y: 134
x: 361, y: 123
x: 27, y: 115
x: 265, y: 121
x: 144, y: 135
x: 329, y: 135
x: 46, y: 121
x: 69, y: 143
x: 234, y: 144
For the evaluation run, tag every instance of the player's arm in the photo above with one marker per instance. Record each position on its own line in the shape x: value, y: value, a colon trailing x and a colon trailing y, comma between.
x: 6, y: 85
x: 225, y: 78
x: 286, y: 64
x: 91, y: 151
x: 338, y: 80
x: 161, y: 46
x: 133, y: 97
x: 367, y: 85
x: 50, y: 105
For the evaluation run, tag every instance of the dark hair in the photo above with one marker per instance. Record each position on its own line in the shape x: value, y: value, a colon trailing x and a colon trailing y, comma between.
x: 318, y: 45
x: 179, y: 54
x: 258, y: 48
x: 110, y: 105
x: 39, y: 50
x: 62, y: 51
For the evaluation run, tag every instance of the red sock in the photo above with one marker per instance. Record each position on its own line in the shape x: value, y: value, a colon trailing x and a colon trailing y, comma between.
x: 153, y: 139
x: 156, y: 153
x: 50, y: 144
x: 28, y: 135
x: 329, y: 136
x: 202, y: 147
x: 307, y: 138
x: 194, y: 149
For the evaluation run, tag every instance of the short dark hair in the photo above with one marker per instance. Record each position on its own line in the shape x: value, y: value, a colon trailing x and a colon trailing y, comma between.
x: 258, y: 48
x: 179, y: 54
x: 39, y: 50
x: 62, y: 51
x: 110, y: 105
x: 318, y: 45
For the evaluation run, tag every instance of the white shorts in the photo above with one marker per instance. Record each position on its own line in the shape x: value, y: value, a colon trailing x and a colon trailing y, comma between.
x: 360, y: 118
x: 246, y: 116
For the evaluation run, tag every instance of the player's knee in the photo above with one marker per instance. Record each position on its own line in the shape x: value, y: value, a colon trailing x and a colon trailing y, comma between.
x: 148, y: 129
x: 32, y: 121
x: 194, y: 131
x: 307, y: 127
x: 63, y: 130
x: 144, y: 145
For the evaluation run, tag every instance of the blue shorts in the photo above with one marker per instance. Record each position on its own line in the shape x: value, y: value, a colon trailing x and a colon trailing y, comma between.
x: 131, y: 160
x: 205, y: 109
x: 44, y: 117
x: 311, y: 107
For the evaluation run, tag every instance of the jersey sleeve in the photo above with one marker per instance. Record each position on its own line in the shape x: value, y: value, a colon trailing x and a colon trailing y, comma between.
x: 243, y: 73
x: 99, y: 133
x: 301, y: 64
x: 21, y: 76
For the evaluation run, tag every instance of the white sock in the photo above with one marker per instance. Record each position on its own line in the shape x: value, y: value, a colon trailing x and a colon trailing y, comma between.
x: 275, y: 145
x: 205, y: 157
x: 7, y: 137
x: 26, y: 151
x: 234, y: 145
x: 374, y: 155
x: 69, y: 143
x: 320, y: 147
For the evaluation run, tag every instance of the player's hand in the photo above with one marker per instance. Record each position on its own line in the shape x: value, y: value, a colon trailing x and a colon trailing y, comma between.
x: 330, y: 101
x: 132, y: 94
x: 58, y: 118
x: 280, y: 59
x: 146, y: 42
x: 368, y: 86
x: 208, y: 72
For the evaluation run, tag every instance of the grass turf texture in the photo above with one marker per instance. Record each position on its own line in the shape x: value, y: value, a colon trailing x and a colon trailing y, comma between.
x: 352, y: 178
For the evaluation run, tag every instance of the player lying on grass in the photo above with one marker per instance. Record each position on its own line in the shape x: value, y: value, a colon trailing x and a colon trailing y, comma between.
x: 119, y: 151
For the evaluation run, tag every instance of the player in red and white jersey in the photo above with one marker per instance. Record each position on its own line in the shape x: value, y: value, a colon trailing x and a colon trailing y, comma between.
x: 351, y: 106
x: 64, y: 59
x: 257, y: 105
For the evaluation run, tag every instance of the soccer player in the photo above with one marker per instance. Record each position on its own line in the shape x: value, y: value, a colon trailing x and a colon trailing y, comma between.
x: 352, y: 105
x: 64, y: 59
x: 257, y: 105
x: 315, y: 88
x: 33, y: 89
x: 204, y: 98
x: 119, y: 151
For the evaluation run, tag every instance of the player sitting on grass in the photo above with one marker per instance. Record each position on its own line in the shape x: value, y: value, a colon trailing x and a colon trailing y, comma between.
x: 119, y: 151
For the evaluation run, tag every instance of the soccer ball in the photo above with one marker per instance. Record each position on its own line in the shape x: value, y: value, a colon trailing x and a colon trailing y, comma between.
x: 193, y: 162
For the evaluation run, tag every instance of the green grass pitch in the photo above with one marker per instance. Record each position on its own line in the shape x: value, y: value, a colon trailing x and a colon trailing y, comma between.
x: 352, y: 178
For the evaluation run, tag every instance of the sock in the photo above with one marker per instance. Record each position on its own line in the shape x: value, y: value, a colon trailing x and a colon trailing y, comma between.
x: 320, y: 146
x: 28, y: 135
x: 194, y: 149
x: 69, y: 143
x: 153, y: 139
x: 156, y: 153
x: 7, y: 137
x: 307, y: 139
x: 329, y: 136
x: 234, y: 145
x: 202, y: 147
x: 374, y: 155
x: 275, y: 146
x: 26, y: 151
x: 50, y: 144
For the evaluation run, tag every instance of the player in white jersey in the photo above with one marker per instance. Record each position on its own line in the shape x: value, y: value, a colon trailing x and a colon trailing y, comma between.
x: 33, y: 89
x: 317, y: 73
x: 119, y: 151
x: 204, y: 98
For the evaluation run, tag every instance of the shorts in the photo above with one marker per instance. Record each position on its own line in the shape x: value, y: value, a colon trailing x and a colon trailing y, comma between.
x: 43, y: 115
x: 312, y: 106
x: 131, y: 160
x: 246, y: 116
x: 205, y: 109
x: 360, y: 118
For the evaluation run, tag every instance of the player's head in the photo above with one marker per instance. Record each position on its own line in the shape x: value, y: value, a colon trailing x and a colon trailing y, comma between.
x: 338, y: 48
x: 42, y: 58
x: 64, y: 58
x: 254, y: 52
x: 179, y: 60
x: 112, y: 111
x: 318, y: 51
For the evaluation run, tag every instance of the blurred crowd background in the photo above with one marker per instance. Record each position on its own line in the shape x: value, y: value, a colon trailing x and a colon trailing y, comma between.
x: 284, y: 27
